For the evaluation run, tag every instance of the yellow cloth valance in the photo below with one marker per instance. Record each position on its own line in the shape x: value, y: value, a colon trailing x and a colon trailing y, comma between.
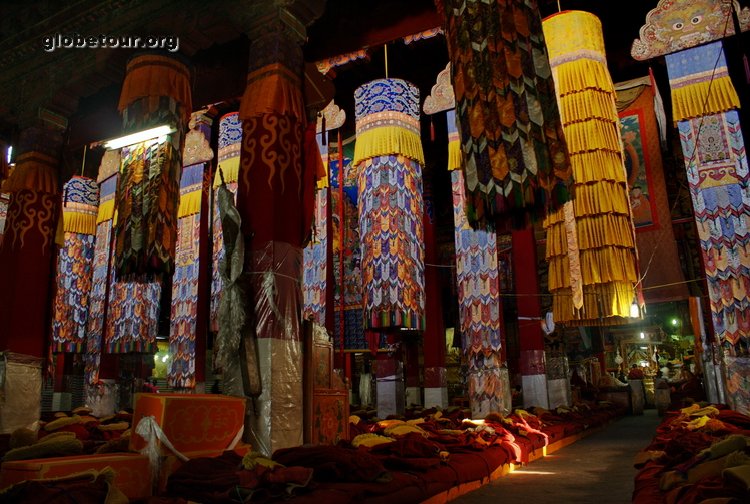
x: 229, y: 169
x: 80, y: 222
x: 106, y: 211
x: 455, y: 161
x: 190, y: 203
x: 694, y: 100
x: 387, y: 140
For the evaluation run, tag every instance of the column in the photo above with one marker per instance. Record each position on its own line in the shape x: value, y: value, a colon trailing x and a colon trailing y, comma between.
x: 271, y: 187
x: 433, y: 338
x: 189, y: 317
x: 717, y: 172
x: 26, y: 265
x: 480, y: 310
x: 101, y: 368
x: 531, y: 338
x: 389, y: 159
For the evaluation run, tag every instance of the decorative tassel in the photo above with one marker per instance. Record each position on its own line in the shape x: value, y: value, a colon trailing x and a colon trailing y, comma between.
x: 432, y: 130
x: 747, y: 68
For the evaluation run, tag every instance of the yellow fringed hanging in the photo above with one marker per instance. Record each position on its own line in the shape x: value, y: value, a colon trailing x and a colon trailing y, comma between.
x: 79, y: 222
x: 387, y: 140
x: 229, y: 169
x: 581, y: 106
x: 106, y: 211
x: 591, y: 254
x: 190, y: 203
x: 580, y: 76
x: 455, y: 161
x: 689, y: 101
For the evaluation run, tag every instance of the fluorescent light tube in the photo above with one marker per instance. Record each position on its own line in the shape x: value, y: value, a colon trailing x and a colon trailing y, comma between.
x: 138, y: 137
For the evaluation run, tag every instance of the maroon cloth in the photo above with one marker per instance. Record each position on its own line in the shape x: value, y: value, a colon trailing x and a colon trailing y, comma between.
x: 25, y: 269
x: 334, y: 463
x: 270, y: 186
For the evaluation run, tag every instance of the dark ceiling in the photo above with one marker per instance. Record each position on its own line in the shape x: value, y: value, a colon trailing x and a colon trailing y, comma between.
x: 83, y: 85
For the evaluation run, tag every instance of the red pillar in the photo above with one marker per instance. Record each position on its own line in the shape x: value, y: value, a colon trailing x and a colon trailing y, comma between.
x: 276, y: 217
x: 435, y: 380
x: 28, y: 245
x: 531, y: 338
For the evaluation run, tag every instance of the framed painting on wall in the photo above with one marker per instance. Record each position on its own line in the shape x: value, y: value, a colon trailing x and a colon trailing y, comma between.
x: 638, y: 168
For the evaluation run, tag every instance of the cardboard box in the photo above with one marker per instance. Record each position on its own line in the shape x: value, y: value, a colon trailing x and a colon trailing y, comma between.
x: 132, y: 477
x: 191, y: 422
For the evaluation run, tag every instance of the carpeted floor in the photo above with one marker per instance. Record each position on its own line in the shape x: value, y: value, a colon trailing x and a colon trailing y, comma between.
x: 597, y: 469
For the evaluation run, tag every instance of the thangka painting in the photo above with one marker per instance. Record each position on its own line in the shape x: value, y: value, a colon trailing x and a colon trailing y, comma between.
x: 718, y: 177
x: 314, y: 264
x: 354, y: 336
x: 638, y: 170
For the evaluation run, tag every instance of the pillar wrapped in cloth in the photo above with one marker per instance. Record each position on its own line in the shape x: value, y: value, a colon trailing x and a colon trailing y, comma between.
x: 347, y: 255
x: 315, y: 254
x: 28, y: 243
x: 75, y: 261
x: 389, y: 158
x: 133, y: 303
x: 516, y: 161
x: 477, y: 281
x: 101, y: 273
x: 230, y: 143
x: 704, y: 107
x: 187, y: 345
x: 275, y: 202
x: 156, y: 91
x: 591, y: 251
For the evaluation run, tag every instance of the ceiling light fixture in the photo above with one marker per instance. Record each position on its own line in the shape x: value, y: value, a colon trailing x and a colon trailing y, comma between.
x: 137, y: 137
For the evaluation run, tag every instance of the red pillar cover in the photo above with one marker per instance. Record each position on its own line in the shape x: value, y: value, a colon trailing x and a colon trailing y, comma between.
x: 528, y: 303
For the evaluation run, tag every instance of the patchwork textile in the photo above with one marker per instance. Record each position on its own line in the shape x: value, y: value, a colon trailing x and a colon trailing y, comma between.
x: 516, y: 161
x: 354, y: 336
x: 100, y: 281
x: 388, y: 155
x: 718, y: 178
x: 476, y: 279
x: 717, y: 172
x: 156, y: 91
x: 314, y: 264
x: 590, y: 242
x: 185, y: 286
x: 75, y: 265
x: 230, y: 144
x: 146, y: 202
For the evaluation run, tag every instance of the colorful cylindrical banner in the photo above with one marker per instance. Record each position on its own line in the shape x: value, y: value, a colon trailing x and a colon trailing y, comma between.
x: 389, y: 159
